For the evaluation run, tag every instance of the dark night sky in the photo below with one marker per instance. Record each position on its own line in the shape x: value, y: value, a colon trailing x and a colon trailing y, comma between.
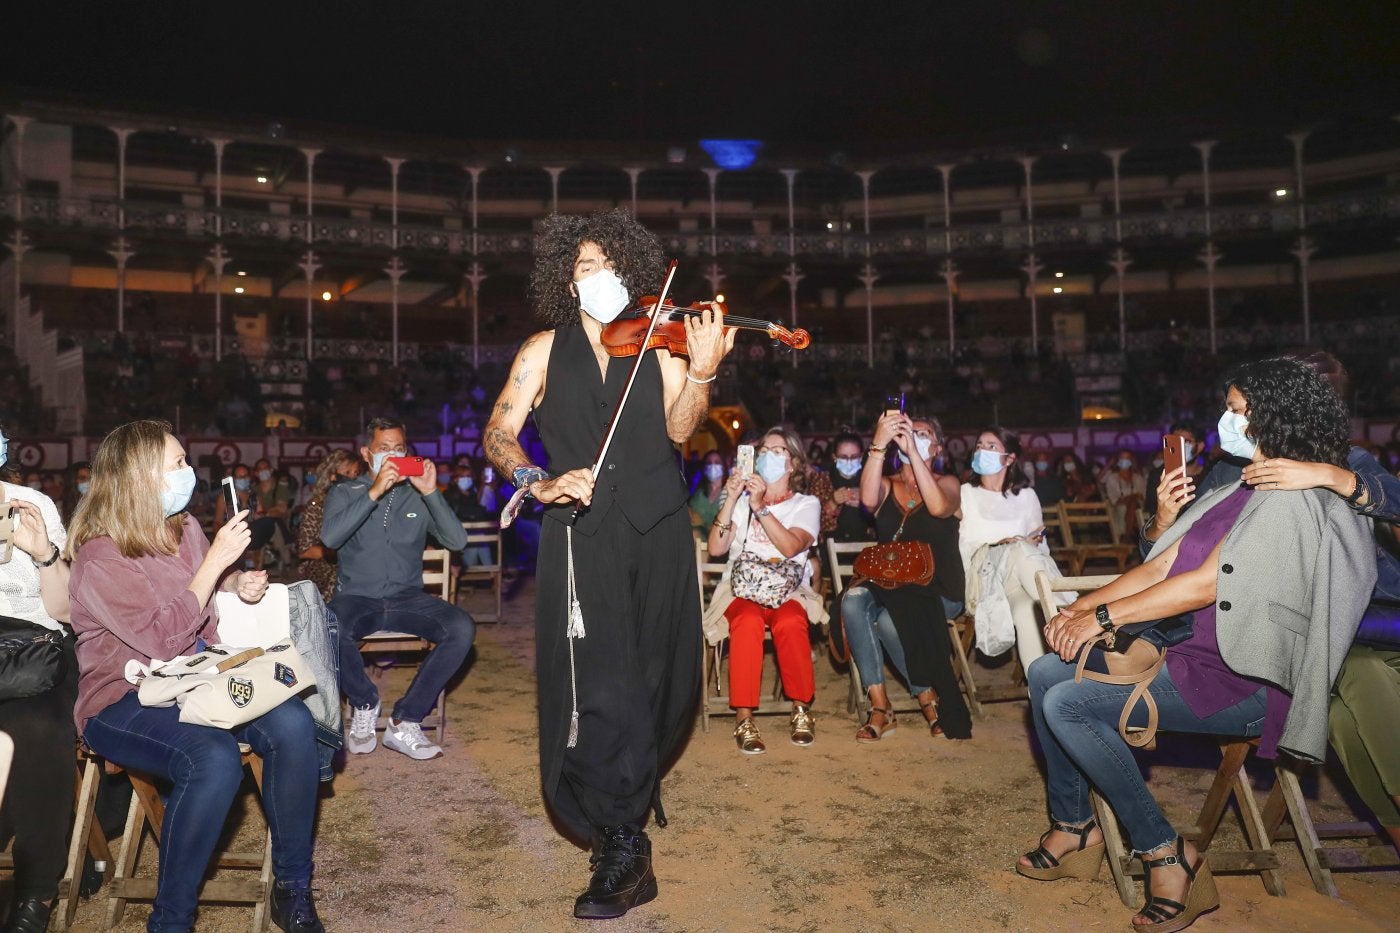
x: 876, y: 74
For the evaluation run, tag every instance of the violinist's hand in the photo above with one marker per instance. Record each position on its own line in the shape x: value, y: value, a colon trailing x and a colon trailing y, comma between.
x: 707, y: 342
x: 573, y: 486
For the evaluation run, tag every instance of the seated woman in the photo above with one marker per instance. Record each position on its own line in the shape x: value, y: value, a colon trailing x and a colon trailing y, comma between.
x: 850, y: 520
x: 1366, y: 698
x: 317, y: 562
x: 704, y: 502
x: 1078, y: 480
x: 38, y: 807
x: 1000, y: 509
x: 1124, y: 487
x: 784, y: 523
x: 143, y: 583
x: 916, y: 504
x: 1261, y: 661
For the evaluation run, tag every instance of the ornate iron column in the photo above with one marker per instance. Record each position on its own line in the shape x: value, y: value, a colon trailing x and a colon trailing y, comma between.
x: 394, y: 270
x: 311, y: 155
x: 218, y: 258
x: 949, y: 271
x: 219, y: 145
x: 792, y: 276
x: 121, y: 251
x: 554, y: 172
x: 868, y: 277
x: 395, y: 164
x: 1120, y: 261
x: 18, y: 242
x: 309, y: 265
x: 19, y: 245
x: 475, y: 172
x: 1208, y: 256
x: 713, y: 175
x: 715, y: 276
x: 1304, y: 249
x: 1032, y: 267
x: 475, y: 277
x: 633, y: 173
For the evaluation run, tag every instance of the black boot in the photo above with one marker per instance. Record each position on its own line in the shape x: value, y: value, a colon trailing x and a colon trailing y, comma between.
x: 293, y: 910
x: 622, y: 875
x: 29, y: 916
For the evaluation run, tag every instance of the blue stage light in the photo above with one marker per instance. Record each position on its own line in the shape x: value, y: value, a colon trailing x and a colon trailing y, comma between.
x: 732, y: 153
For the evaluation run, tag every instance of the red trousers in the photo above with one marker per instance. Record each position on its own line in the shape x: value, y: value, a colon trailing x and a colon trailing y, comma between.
x: 790, y: 643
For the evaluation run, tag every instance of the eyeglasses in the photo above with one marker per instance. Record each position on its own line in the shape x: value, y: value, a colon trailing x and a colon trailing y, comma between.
x: 780, y: 449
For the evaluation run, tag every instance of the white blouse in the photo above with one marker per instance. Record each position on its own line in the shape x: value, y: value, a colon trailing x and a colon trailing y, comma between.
x: 20, y: 597
x: 989, y: 517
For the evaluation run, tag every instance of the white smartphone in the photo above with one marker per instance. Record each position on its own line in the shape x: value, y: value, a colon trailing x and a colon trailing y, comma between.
x: 7, y: 532
x: 743, y: 460
x: 230, y: 497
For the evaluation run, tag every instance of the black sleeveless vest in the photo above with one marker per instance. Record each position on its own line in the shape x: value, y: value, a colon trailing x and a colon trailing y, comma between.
x: 642, y: 474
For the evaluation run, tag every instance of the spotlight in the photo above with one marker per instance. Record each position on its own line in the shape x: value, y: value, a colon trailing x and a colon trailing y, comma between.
x: 719, y: 298
x: 734, y: 424
x: 238, y: 290
x: 1057, y: 289
x: 262, y: 179
x: 1059, y: 275
x: 241, y: 272
x: 325, y: 296
x: 1280, y: 192
x: 830, y: 225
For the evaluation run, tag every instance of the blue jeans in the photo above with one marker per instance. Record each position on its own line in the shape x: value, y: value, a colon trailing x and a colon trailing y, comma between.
x: 1077, y: 725
x: 450, y: 629
x: 868, y: 628
x: 203, y: 765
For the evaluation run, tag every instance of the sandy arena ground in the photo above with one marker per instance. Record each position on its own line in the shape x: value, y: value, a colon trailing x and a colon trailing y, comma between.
x: 913, y: 833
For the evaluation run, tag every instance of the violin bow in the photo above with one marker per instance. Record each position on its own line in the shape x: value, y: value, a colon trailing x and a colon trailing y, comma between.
x: 631, y: 378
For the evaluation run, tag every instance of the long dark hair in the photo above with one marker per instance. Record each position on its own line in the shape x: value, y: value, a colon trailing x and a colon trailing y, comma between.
x: 1293, y: 412
x: 1016, y: 478
x: 634, y: 251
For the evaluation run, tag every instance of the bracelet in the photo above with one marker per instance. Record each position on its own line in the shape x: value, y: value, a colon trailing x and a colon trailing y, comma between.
x: 872, y: 449
x: 522, y: 477
x: 722, y: 527
x: 1356, y: 490
x: 52, y: 557
x: 700, y: 382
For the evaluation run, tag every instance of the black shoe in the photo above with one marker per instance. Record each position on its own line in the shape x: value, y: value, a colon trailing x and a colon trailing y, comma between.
x: 294, y: 911
x: 29, y: 916
x: 622, y: 875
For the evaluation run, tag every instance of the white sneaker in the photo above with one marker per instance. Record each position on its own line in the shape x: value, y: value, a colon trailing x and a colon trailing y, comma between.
x: 362, y: 740
x: 408, y: 737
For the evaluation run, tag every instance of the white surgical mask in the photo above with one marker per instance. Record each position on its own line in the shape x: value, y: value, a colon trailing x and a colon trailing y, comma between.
x: 921, y: 444
x: 986, y: 462
x: 264, y: 476
x: 82, y: 487
x: 1125, y: 464
x: 1232, y: 437
x: 179, y: 486
x: 464, y: 483
x: 771, y: 466
x: 4, y: 450
x: 602, y: 295
x: 714, y: 472
x: 377, y: 463
x: 1067, y: 466
x: 848, y: 466
x: 1041, y: 466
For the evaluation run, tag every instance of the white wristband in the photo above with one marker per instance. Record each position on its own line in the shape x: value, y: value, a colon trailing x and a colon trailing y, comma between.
x: 700, y: 382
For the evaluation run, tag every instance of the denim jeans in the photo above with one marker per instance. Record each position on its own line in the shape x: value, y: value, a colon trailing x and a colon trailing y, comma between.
x: 1077, y: 725
x: 203, y: 765
x: 450, y: 629
x: 868, y: 628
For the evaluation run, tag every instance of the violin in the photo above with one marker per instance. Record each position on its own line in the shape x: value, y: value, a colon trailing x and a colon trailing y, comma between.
x: 623, y: 337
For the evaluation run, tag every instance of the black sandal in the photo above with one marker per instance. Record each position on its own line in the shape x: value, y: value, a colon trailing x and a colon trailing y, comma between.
x: 1084, y: 862
x: 1167, y: 915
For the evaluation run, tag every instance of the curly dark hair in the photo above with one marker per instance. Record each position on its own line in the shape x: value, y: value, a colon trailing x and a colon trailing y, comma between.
x: 1293, y: 412
x: 633, y: 249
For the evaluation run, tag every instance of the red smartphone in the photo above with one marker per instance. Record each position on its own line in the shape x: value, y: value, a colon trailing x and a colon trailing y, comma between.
x: 1176, y: 452
x: 408, y: 466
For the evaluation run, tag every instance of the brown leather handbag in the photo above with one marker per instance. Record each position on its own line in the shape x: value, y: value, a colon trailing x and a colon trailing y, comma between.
x: 896, y: 563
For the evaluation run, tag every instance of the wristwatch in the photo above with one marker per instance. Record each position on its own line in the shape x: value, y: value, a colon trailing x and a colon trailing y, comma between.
x: 1101, y: 614
x: 52, y: 557
x: 764, y: 512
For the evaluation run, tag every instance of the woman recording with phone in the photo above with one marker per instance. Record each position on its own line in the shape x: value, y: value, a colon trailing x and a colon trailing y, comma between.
x: 143, y: 583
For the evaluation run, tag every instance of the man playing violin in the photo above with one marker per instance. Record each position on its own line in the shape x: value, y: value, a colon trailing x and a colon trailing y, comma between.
x: 625, y: 540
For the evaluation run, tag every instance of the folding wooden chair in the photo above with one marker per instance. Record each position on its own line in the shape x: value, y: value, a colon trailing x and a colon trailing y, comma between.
x: 147, y: 812
x: 1059, y: 538
x: 842, y: 555
x: 488, y: 535
x: 712, y: 669
x: 1258, y: 856
x: 1095, y: 536
x: 437, y: 579
x: 1286, y: 802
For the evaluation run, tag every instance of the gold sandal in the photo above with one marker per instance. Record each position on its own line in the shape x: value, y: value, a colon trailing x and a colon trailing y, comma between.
x: 1084, y: 862
x: 868, y: 734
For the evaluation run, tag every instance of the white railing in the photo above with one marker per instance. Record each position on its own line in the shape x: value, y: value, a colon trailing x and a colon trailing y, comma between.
x: 56, y: 375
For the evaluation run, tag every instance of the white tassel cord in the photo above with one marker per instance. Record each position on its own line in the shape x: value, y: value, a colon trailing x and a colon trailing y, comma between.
x: 574, y: 630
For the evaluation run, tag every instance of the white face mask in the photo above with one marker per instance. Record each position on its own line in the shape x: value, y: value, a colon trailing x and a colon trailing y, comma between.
x: 848, y: 466
x: 987, y: 462
x: 714, y: 472
x: 264, y: 476
x: 771, y: 466
x: 176, y: 492
x: 602, y: 295
x: 922, y: 445
x: 1232, y: 436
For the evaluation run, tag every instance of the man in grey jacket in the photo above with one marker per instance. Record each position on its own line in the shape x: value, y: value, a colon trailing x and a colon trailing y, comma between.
x: 378, y: 525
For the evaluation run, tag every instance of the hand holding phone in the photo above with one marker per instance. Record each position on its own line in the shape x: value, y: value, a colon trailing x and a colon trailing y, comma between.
x: 1176, y: 453
x: 408, y: 466
x: 894, y: 404
x: 230, y: 493
x: 7, y: 532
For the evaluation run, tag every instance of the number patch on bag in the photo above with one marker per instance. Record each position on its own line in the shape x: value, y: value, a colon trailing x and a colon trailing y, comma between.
x: 284, y: 675
x: 240, y: 691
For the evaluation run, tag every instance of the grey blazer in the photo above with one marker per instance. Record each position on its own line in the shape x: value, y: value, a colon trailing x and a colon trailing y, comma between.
x: 1296, y: 572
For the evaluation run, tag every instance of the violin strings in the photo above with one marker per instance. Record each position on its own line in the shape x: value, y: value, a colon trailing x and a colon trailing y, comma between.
x: 733, y: 320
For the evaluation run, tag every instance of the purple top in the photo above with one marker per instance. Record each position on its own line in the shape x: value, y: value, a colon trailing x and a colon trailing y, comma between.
x: 1206, y: 683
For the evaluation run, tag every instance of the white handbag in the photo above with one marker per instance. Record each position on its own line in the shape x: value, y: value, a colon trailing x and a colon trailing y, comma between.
x: 223, y: 686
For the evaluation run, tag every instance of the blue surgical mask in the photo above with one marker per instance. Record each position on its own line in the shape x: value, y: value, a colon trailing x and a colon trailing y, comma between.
x: 922, y: 445
x: 1125, y: 464
x: 1042, y: 466
x: 242, y: 483
x: 83, y: 487
x: 464, y: 483
x: 179, y: 486
x: 848, y: 466
x: 377, y: 461
x: 602, y: 295
x: 714, y: 472
x: 4, y: 450
x: 264, y: 476
x: 987, y: 462
x: 1232, y: 437
x: 771, y: 466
